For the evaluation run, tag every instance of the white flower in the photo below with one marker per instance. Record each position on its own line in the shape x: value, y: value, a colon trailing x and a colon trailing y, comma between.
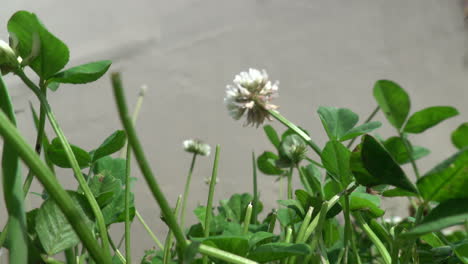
x: 393, y: 220
x: 197, y: 147
x: 252, y: 92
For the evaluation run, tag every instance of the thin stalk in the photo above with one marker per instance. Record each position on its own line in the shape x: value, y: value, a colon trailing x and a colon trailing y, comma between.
x: 53, y: 187
x: 316, y: 163
x: 271, y: 225
x: 409, y: 150
x: 71, y: 158
x: 310, y: 229
x: 186, y: 190
x: 128, y: 245
x: 374, y: 238
x: 296, y: 130
x: 304, y: 225
x: 168, y: 244
x: 39, y: 138
x: 376, y: 110
x: 209, y: 203
x: 347, y: 228
x: 148, y: 230
x: 70, y: 256
x: 281, y: 187
x: 315, y: 242
x: 290, y: 191
x: 255, y: 190
x: 287, y: 239
x: 136, y: 113
x: 224, y: 255
x: 143, y: 163
x: 248, y: 217
x: 12, y: 191
x: 117, y: 251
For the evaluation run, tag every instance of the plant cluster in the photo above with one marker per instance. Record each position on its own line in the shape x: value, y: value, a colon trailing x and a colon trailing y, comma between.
x: 334, y: 217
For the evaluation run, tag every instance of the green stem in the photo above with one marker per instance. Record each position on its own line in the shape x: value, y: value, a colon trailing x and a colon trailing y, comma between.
x: 71, y: 158
x: 272, y: 223
x: 255, y: 190
x: 290, y: 191
x: 128, y: 245
x: 186, y: 190
x: 70, y: 256
x: 304, y: 225
x: 40, y: 135
x: 248, y: 217
x: 136, y: 112
x: 347, y: 228
x: 148, y: 230
x: 12, y: 191
x: 296, y: 130
x: 55, y: 190
x: 374, y: 238
x: 143, y: 163
x: 376, y: 110
x: 117, y: 251
x: 209, y: 203
x: 168, y: 244
x: 223, y: 255
x: 409, y: 150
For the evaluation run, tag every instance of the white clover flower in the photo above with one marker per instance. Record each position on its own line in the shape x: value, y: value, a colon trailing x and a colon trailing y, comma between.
x: 197, y: 147
x: 393, y: 220
x: 252, y: 92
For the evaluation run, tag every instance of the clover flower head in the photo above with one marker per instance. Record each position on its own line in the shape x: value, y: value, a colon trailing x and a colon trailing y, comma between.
x: 251, y: 92
x: 196, y: 146
x: 393, y: 220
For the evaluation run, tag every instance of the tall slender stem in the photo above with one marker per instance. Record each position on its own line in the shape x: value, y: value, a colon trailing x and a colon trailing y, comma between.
x: 374, y: 238
x: 143, y: 163
x: 347, y: 229
x: 290, y: 191
x: 186, y: 190
x: 148, y: 230
x: 71, y: 158
x: 255, y: 190
x: 376, y: 110
x: 296, y: 130
x: 128, y: 245
x: 209, y: 203
x: 409, y: 150
x: 53, y: 187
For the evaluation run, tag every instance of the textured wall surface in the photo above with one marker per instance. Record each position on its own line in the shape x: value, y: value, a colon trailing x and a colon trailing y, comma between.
x: 326, y: 53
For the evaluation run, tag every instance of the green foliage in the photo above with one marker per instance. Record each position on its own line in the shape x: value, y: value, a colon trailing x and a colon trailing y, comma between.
x: 460, y: 136
x: 85, y: 73
x: 46, y: 52
x: 343, y: 181
x: 56, y: 154
x: 339, y: 123
x: 397, y: 149
x: 381, y: 166
x: 446, y: 214
x: 393, y: 101
x: 336, y: 158
x: 429, y: 117
x: 54, y: 230
x: 112, y: 144
x: 267, y: 163
x: 448, y: 180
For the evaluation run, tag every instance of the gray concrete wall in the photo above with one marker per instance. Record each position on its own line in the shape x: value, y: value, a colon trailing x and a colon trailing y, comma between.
x: 323, y: 52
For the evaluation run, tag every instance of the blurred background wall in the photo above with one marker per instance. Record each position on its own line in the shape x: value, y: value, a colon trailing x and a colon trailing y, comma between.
x: 325, y: 53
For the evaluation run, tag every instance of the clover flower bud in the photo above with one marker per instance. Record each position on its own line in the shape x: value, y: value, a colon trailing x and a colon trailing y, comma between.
x: 251, y: 92
x: 8, y: 58
x: 197, y: 147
